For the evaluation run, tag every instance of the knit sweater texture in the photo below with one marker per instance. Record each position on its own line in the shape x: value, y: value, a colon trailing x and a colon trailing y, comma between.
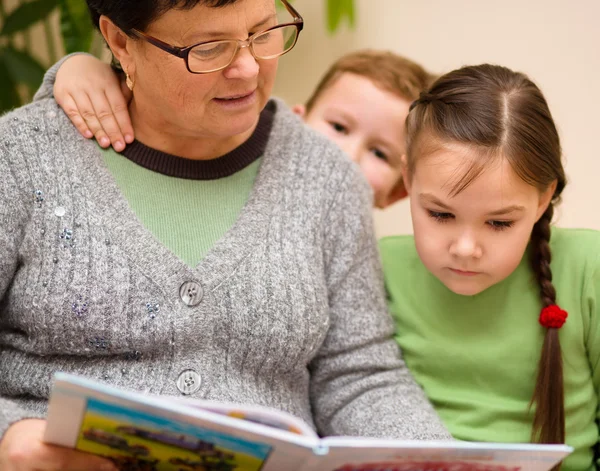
x: 292, y: 310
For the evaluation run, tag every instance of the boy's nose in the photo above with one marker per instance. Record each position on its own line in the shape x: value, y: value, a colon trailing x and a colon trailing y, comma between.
x: 353, y: 148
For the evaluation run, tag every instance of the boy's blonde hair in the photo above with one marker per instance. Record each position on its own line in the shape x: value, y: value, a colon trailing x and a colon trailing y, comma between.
x: 391, y: 72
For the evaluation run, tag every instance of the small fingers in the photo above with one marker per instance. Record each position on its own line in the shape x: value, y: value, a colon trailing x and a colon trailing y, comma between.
x: 87, y: 111
x: 70, y: 108
x: 120, y: 112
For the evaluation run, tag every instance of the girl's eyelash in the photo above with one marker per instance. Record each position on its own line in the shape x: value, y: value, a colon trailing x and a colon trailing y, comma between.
x: 443, y: 217
x: 440, y: 216
x: 501, y: 225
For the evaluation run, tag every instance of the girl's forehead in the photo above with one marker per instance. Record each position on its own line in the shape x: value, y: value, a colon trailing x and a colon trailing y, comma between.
x: 461, y: 172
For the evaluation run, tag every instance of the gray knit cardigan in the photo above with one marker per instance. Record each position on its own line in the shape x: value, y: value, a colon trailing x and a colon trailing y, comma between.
x: 286, y: 310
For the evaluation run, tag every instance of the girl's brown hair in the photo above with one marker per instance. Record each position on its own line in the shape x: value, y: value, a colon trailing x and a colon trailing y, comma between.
x: 502, y: 114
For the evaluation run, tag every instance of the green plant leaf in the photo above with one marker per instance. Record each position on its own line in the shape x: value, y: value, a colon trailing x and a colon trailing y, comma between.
x: 27, y: 15
x: 337, y: 10
x: 334, y: 14
x: 75, y: 24
x: 23, y: 68
x: 9, y: 95
x: 350, y: 12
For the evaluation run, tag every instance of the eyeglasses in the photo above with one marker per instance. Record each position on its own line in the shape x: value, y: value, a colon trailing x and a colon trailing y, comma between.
x: 212, y: 56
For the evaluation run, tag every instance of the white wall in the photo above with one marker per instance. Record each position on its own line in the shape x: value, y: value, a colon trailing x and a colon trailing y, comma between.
x: 554, y: 41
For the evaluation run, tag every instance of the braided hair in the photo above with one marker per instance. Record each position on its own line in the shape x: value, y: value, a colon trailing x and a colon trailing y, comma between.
x: 502, y: 114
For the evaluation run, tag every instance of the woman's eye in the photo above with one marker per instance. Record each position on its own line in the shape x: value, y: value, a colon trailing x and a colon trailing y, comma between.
x: 500, y: 225
x: 439, y: 216
x: 208, y: 51
x: 339, y: 127
x: 379, y: 154
x: 262, y: 38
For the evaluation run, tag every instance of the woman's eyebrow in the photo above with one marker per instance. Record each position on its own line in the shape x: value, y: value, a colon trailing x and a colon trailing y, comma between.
x: 208, y: 35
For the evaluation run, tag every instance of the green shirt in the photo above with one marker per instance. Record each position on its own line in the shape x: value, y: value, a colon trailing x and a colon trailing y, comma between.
x: 187, y: 216
x: 476, y: 356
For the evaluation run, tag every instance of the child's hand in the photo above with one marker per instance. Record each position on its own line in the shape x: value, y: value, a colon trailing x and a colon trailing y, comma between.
x: 22, y: 449
x: 95, y: 100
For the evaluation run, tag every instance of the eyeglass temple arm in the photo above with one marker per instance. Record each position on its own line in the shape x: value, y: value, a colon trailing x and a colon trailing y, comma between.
x: 292, y: 11
x: 176, y: 51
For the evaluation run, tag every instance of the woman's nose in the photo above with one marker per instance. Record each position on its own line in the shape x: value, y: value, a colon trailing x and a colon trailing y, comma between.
x: 244, y: 65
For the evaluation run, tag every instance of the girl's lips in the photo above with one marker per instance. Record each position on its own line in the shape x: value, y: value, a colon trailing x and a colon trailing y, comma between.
x: 463, y: 272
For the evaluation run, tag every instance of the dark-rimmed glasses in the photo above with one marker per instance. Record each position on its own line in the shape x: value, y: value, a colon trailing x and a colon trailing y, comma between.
x: 212, y: 56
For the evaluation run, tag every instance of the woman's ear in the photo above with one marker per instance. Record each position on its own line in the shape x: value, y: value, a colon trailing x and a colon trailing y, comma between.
x: 545, y: 198
x: 119, y: 43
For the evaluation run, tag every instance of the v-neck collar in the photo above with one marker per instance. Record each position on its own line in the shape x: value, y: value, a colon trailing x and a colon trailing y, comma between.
x: 213, y: 169
x: 156, y: 260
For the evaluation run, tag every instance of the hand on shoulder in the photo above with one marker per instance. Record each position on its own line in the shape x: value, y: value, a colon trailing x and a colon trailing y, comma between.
x: 95, y: 99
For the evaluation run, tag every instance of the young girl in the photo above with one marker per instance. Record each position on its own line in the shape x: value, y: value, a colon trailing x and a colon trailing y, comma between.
x: 497, y: 320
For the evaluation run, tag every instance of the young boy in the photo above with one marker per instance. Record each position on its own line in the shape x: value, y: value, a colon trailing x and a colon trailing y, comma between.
x: 361, y: 103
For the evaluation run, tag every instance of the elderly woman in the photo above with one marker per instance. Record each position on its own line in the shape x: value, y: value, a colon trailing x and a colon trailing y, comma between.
x: 227, y: 254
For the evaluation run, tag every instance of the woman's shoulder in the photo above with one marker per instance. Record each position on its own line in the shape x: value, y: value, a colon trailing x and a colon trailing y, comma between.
x: 290, y: 131
x: 310, y: 156
x: 25, y: 127
x: 34, y: 140
x: 37, y: 112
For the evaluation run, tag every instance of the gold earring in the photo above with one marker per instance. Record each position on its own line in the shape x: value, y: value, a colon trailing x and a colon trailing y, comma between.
x: 130, y: 83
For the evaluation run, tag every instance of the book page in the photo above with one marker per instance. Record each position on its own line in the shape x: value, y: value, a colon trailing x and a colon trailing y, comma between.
x: 256, y: 414
x: 156, y: 434
x: 351, y: 454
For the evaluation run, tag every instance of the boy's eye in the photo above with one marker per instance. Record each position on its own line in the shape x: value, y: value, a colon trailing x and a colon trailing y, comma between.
x: 439, y: 216
x: 339, y: 127
x: 380, y: 155
x: 500, y: 225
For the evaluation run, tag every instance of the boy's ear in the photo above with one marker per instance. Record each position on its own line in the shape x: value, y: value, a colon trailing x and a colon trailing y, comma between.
x: 398, y: 192
x: 118, y: 42
x: 545, y: 199
x: 300, y: 110
x: 405, y: 177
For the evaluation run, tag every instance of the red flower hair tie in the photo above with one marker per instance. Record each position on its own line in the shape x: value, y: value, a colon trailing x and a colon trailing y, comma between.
x: 553, y: 317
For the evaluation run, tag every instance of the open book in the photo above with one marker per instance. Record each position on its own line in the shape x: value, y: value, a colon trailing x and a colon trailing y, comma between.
x: 149, y: 433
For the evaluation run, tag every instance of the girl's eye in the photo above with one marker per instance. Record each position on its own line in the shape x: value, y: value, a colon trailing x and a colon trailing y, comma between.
x: 339, y: 127
x: 380, y: 155
x: 500, y: 225
x: 440, y: 217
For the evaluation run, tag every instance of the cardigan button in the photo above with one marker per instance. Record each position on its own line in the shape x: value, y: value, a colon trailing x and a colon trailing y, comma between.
x: 191, y: 293
x: 188, y: 382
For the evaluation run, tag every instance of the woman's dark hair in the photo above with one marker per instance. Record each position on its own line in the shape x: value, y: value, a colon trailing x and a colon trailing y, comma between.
x: 502, y: 114
x: 138, y: 14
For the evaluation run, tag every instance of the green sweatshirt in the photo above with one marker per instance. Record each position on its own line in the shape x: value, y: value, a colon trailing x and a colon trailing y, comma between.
x: 477, y: 356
